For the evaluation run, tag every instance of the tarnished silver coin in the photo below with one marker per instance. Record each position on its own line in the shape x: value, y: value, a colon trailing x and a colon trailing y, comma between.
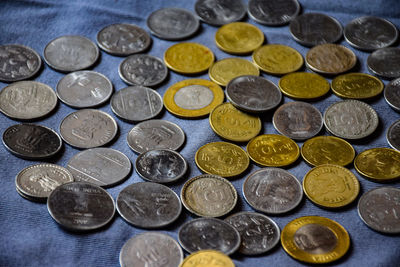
x: 298, y: 120
x: 253, y: 93
x: 148, y: 205
x: 272, y: 190
x: 84, y: 89
x: 70, y: 53
x: 100, y: 166
x: 80, y: 206
x: 209, y: 233
x: 88, y: 128
x: 27, y: 100
x: 155, y: 134
x: 151, y: 249
x: 123, y: 39
x: 392, y: 94
x: 385, y: 62
x: 220, y: 12
x: 379, y: 209
x: 273, y: 13
x: 351, y: 119
x: 258, y: 232
x: 393, y: 135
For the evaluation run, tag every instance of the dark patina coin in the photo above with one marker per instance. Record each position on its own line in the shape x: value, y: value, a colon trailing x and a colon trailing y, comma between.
x: 393, y: 135
x: 385, y: 62
x: 220, y: 12
x: 273, y: 13
x: 392, y: 94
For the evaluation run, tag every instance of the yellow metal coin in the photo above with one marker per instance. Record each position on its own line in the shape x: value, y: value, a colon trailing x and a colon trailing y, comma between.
x: 223, y: 71
x: 303, y: 85
x: 357, y: 86
x: 315, y: 239
x: 273, y: 150
x: 277, y: 59
x: 188, y: 58
x: 327, y: 150
x: 222, y: 158
x: 233, y: 124
x: 207, y: 258
x: 193, y: 98
x: 239, y: 38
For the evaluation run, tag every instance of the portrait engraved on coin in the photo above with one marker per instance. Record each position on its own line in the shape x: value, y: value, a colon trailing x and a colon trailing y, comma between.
x: 315, y: 239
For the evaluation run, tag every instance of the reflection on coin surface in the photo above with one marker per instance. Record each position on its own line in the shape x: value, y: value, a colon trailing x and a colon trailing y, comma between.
x: 273, y: 13
x: 220, y: 12
x: 385, y: 62
x: 213, y: 257
x: 356, y: 85
x: 224, y: 70
x: 304, y: 85
x: 392, y: 94
x: 393, y: 135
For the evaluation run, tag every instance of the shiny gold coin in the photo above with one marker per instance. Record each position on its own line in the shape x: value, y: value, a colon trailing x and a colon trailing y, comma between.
x: 207, y: 258
x: 327, y: 150
x: 379, y: 164
x: 188, y: 58
x: 222, y: 158
x: 315, y: 239
x: 273, y: 150
x: 357, y: 86
x: 232, y: 124
x: 303, y: 85
x: 277, y: 59
x: 193, y: 98
x: 239, y: 38
x: 224, y: 70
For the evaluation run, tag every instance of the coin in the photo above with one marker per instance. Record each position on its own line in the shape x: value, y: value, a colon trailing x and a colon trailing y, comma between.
x: 379, y: 208
x: 18, y: 62
x: 84, y: 89
x: 100, y: 166
x: 385, y: 62
x: 88, y: 128
x: 27, y: 100
x: 304, y: 85
x: 253, y: 93
x: 273, y: 150
x: 193, y: 98
x: 70, y: 53
x: 79, y: 206
x: 208, y: 195
x: 222, y: 158
x: 233, y: 124
x: 273, y: 13
x: 155, y: 134
x: 30, y: 141
x: 213, y: 257
x: 393, y: 135
x: 136, y: 103
x: 356, y: 86
x: 392, y: 94
x: 258, y: 232
x: 220, y: 12
x: 315, y: 239
x: 148, y: 205
x: 161, y: 166
x: 272, y: 190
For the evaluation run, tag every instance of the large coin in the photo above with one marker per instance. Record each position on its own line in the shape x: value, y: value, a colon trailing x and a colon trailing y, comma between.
x: 224, y: 70
x: 198, y: 258
x: 385, y: 62
x: 273, y: 13
x: 356, y: 86
x: 304, y: 85
x: 220, y: 12
x: 392, y: 94
x: 393, y: 135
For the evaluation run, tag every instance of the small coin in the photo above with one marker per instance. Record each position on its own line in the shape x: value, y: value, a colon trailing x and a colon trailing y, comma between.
x: 220, y: 12
x: 304, y: 85
x: 356, y: 86
x: 272, y: 190
x: 208, y: 195
x: 198, y: 258
x: 30, y: 141
x: 273, y: 13
x: 148, y: 205
x: 392, y: 94
x: 27, y: 100
x: 393, y: 135
x: 79, y: 206
x: 315, y: 239
x: 385, y: 62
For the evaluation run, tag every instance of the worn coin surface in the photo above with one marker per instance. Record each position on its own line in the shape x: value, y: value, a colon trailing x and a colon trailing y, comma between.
x: 393, y: 135
x: 273, y: 13
x: 385, y: 62
x: 211, y: 257
x: 304, y: 85
x: 220, y: 12
x: 392, y: 94
x: 356, y: 86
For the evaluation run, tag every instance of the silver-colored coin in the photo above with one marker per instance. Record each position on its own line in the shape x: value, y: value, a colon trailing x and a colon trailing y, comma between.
x: 258, y: 232
x: 27, y: 100
x: 273, y: 13
x: 70, y: 53
x: 392, y: 94
x: 209, y: 233
x: 253, y: 93
x: 385, y: 62
x: 148, y: 205
x: 220, y: 12
x: 88, y: 128
x: 123, y: 39
x: 172, y: 23
x: 84, y: 89
x: 151, y: 249
x: 79, y: 206
x: 272, y: 190
x: 193, y: 97
x: 393, y: 135
x: 100, y: 166
x: 298, y: 120
x: 351, y: 119
x: 161, y: 165
x: 155, y: 134
x: 379, y: 209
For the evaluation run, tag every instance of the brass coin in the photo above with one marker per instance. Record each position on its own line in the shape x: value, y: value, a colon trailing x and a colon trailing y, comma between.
x: 303, y: 85
x: 207, y: 258
x: 357, y: 86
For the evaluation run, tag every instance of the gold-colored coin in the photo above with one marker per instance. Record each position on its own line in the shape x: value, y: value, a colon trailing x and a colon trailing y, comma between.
x: 327, y: 150
x: 277, y: 59
x: 188, y: 58
x: 331, y: 186
x: 223, y: 71
x: 239, y: 38
x: 233, y: 124
x: 273, y: 150
x: 193, y: 98
x: 303, y: 85
x: 315, y: 239
x: 357, y: 86
x: 222, y: 158
x: 379, y: 164
x: 207, y: 258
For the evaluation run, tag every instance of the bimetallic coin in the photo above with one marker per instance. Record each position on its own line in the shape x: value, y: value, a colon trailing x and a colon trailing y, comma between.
x: 273, y: 13
x: 385, y: 62
x: 393, y: 135
x: 356, y: 86
x: 304, y: 85
x: 392, y: 94
x: 220, y: 12
x: 214, y: 257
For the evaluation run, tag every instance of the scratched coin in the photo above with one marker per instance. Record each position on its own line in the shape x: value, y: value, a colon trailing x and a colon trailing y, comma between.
x: 393, y: 135
x: 273, y: 13
x: 385, y: 62
x: 220, y: 12
x: 392, y: 94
